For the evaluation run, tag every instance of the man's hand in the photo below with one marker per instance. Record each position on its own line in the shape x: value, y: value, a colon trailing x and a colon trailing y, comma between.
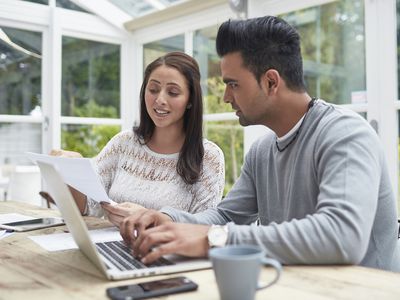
x: 138, y: 222
x: 171, y: 238
x: 117, y: 213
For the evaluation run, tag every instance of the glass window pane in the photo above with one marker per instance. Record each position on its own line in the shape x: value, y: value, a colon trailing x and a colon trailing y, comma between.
x: 205, y: 54
x: 332, y: 43
x: 18, y: 138
x: 20, y: 71
x: 90, y: 78
x: 134, y: 8
x: 153, y: 50
x: 228, y: 135
x: 46, y: 2
x: 137, y: 8
x: 69, y: 5
x: 87, y: 139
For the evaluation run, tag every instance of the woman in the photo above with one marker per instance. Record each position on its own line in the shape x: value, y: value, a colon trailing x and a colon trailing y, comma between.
x: 164, y: 161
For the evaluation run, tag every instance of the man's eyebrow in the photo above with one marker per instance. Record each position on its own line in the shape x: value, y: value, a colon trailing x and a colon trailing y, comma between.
x: 228, y: 80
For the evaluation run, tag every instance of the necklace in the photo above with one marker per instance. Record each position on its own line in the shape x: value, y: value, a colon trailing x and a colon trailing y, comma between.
x: 310, y: 104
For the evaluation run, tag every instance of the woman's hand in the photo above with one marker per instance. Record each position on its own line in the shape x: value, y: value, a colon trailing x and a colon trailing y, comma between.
x: 117, y: 213
x: 65, y: 153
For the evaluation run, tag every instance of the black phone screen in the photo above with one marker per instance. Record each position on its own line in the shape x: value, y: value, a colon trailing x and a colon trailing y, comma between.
x: 163, y: 284
x: 152, y: 288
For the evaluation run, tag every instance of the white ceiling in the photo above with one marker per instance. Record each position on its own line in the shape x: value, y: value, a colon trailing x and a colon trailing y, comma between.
x: 137, y: 8
x: 117, y: 12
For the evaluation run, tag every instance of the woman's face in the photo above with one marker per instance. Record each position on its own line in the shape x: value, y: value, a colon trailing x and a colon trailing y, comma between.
x: 167, y: 97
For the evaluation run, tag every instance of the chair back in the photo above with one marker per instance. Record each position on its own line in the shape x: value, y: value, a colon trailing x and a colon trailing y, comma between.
x: 25, y: 185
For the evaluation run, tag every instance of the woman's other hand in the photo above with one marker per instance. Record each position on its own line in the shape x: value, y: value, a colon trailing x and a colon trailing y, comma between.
x: 117, y: 213
x: 65, y: 153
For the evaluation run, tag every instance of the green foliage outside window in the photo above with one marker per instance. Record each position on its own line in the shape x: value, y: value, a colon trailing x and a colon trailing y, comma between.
x: 94, y: 110
x: 214, y: 99
x: 90, y: 73
x: 228, y: 135
x: 90, y: 88
x: 89, y: 139
x: 333, y: 48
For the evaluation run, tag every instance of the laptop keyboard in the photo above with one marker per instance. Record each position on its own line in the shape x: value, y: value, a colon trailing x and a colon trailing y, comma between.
x: 120, y: 256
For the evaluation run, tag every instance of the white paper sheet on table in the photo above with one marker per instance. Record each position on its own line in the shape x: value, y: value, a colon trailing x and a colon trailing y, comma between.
x: 5, y: 233
x: 64, y: 241
x: 78, y: 173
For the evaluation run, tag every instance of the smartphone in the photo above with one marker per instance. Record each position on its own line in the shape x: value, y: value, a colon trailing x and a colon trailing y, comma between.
x: 32, y: 224
x: 152, y: 289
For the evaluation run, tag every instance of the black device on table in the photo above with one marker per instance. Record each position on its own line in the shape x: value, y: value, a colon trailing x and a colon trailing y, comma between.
x: 152, y: 288
x: 32, y: 224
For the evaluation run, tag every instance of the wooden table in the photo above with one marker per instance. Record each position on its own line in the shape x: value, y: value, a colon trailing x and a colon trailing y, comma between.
x: 29, y: 272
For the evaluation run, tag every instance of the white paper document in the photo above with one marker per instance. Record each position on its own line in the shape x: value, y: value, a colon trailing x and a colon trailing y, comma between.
x: 78, y: 173
x: 64, y: 241
x: 5, y: 233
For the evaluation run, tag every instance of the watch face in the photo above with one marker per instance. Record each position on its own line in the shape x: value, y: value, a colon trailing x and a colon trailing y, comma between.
x: 217, y: 236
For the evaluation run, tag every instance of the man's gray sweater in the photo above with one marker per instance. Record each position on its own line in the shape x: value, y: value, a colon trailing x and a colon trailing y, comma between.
x: 325, y: 199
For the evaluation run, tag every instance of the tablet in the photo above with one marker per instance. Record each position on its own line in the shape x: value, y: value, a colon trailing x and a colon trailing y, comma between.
x: 32, y: 224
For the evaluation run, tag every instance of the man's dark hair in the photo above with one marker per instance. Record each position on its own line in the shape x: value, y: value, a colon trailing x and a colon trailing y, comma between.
x: 192, y: 152
x: 264, y: 43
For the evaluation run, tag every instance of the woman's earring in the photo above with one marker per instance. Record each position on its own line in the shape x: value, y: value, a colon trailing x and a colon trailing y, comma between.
x: 189, y: 106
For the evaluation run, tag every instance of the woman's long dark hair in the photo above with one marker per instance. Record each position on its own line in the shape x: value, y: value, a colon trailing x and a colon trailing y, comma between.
x: 191, y: 155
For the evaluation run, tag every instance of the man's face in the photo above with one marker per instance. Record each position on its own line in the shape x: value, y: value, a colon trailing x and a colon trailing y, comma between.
x: 242, y: 90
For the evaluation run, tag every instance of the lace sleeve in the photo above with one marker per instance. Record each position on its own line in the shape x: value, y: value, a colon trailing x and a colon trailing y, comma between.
x: 208, y: 191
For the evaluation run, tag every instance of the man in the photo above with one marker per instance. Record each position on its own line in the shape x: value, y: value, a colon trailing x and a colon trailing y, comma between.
x: 317, y: 183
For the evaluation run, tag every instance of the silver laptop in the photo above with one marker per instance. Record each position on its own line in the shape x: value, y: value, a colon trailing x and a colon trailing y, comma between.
x: 113, y: 259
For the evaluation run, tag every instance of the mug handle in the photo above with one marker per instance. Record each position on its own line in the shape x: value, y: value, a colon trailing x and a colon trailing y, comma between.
x: 278, y: 269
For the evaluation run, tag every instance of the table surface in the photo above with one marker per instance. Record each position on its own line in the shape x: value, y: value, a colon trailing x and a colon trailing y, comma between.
x: 30, y: 272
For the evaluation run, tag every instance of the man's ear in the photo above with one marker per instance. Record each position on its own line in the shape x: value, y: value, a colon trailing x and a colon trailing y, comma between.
x: 270, y: 81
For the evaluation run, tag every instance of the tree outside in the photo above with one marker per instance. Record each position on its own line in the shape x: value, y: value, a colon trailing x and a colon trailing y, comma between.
x: 228, y: 135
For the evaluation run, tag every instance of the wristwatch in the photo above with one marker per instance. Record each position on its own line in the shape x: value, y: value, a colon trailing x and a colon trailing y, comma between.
x: 217, y: 235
